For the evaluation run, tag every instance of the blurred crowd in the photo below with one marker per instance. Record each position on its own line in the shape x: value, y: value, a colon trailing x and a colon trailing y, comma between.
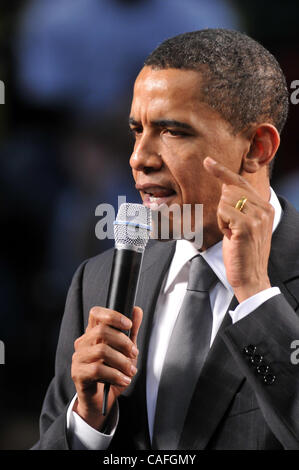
x: 68, y: 68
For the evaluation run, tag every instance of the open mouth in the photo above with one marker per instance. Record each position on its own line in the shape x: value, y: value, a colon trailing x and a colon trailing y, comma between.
x: 156, y: 196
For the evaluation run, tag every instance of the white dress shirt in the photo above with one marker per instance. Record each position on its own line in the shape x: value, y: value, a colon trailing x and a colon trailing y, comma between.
x: 81, y: 435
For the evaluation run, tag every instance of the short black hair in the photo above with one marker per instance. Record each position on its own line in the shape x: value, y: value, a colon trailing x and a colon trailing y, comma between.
x: 241, y: 79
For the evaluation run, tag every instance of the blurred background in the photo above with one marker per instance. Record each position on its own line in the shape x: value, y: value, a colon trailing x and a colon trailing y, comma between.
x: 68, y: 67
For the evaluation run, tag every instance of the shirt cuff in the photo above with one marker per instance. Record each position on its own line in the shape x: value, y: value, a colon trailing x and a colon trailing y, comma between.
x: 252, y: 303
x: 81, y: 436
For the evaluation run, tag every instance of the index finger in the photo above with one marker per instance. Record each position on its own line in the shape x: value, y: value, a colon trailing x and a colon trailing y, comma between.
x: 108, y: 317
x: 226, y: 175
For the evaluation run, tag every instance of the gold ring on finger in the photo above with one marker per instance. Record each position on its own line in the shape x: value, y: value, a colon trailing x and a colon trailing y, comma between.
x: 241, y: 203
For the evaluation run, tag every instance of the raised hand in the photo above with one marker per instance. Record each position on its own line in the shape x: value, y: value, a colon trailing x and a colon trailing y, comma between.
x: 247, y: 233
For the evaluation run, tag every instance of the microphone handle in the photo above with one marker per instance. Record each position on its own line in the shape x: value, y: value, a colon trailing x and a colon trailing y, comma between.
x: 122, y: 290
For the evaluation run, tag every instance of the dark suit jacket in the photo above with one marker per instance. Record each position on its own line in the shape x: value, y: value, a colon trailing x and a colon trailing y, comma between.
x: 232, y: 407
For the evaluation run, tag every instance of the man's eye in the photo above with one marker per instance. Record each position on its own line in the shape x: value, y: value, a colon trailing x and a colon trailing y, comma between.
x: 176, y: 133
x: 135, y: 131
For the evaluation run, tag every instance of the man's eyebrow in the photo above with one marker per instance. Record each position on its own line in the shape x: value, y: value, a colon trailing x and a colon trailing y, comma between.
x: 172, y: 123
x: 132, y: 122
x: 164, y: 123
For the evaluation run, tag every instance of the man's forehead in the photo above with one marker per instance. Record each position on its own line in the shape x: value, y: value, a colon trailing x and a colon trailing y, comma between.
x: 167, y: 80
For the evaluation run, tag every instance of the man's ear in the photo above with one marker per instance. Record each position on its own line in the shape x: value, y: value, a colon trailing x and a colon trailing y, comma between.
x: 265, y: 141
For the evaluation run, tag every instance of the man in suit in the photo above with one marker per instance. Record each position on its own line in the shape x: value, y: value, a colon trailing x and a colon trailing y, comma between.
x: 207, y: 113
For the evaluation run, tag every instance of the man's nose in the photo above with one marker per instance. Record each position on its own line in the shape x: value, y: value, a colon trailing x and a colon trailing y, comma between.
x: 145, y: 157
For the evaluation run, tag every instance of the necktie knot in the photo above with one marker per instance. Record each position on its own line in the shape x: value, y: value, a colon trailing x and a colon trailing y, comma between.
x: 201, y: 275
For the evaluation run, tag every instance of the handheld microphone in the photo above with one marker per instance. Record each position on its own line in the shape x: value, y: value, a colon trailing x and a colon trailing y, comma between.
x: 132, y: 229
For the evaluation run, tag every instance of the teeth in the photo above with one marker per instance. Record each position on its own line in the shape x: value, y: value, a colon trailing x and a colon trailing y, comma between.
x: 153, y: 199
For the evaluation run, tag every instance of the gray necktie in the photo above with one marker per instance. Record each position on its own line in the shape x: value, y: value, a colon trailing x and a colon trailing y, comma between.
x: 186, y: 353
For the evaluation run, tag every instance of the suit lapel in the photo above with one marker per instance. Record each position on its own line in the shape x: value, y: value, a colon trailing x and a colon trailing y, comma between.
x: 284, y: 261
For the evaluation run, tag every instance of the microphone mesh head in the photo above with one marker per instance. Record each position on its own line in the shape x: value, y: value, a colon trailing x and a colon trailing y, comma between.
x: 132, y: 226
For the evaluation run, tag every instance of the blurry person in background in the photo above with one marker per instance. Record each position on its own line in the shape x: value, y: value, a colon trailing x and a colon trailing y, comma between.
x: 207, y: 364
x: 86, y: 54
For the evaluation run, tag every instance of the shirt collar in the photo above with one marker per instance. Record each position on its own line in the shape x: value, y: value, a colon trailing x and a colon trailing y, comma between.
x: 277, y: 208
x: 185, y: 250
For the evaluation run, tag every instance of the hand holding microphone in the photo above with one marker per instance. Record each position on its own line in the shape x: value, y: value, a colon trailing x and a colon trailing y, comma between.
x: 105, y: 353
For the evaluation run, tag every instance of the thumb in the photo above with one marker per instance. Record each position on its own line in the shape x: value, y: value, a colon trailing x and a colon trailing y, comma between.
x: 136, y: 320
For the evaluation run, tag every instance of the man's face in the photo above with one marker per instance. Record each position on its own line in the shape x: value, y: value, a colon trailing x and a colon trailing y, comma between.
x: 174, y: 132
